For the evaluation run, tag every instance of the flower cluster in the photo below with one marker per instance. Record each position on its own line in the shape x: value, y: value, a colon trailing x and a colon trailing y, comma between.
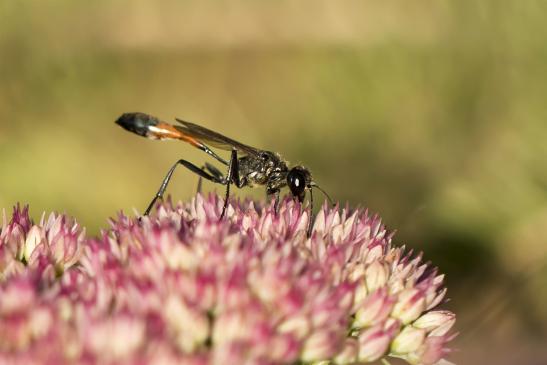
x: 182, y: 287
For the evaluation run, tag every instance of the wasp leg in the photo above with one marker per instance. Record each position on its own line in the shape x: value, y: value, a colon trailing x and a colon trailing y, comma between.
x: 190, y: 166
x: 275, y: 194
x: 312, y: 216
x: 213, y: 171
x: 232, y: 176
x: 200, y: 182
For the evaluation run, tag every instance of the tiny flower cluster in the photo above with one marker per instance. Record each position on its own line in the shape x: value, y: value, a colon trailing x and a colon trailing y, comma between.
x: 183, y: 287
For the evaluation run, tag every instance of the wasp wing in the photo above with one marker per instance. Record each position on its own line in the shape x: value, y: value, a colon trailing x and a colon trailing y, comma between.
x: 213, y: 138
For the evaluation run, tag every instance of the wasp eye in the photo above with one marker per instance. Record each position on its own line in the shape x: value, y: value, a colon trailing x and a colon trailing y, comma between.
x: 296, y: 180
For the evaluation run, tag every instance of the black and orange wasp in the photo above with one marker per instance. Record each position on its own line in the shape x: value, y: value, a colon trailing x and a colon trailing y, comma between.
x: 247, y: 166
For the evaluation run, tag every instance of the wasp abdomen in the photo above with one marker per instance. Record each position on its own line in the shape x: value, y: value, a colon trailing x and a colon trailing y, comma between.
x: 138, y: 123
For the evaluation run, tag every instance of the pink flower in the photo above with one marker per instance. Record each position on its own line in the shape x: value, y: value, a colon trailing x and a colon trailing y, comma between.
x: 437, y: 323
x: 408, y: 340
x: 374, y: 308
x: 374, y: 342
x: 182, y: 287
x: 47, y: 248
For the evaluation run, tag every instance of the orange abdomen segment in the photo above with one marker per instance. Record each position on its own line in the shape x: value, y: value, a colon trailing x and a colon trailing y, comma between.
x: 167, y: 131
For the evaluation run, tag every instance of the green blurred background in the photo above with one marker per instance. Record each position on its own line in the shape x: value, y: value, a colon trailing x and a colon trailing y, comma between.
x: 431, y: 113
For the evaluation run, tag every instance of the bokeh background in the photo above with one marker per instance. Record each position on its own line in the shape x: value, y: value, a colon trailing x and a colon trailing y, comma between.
x: 432, y: 114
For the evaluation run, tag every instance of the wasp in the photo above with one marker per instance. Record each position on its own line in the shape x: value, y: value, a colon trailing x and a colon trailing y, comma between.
x: 247, y: 166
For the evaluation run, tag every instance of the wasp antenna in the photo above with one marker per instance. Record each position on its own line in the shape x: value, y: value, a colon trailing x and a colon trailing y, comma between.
x: 314, y: 185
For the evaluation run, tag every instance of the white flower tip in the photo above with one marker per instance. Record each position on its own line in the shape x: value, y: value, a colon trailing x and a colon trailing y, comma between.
x: 34, y: 237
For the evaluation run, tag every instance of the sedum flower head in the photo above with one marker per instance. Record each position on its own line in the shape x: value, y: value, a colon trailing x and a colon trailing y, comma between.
x: 182, y: 287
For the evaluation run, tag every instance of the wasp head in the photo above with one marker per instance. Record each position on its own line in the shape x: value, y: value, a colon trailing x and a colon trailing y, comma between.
x: 299, y: 179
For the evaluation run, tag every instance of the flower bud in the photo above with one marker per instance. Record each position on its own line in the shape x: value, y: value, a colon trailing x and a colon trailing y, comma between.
x: 376, y: 276
x: 321, y: 344
x: 409, y: 306
x: 433, y: 349
x: 190, y: 327
x: 374, y: 309
x: 283, y: 349
x: 408, y: 340
x: 299, y: 326
x: 373, y: 344
x: 116, y: 338
x: 438, y: 323
x: 348, y: 355
x: 34, y: 237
